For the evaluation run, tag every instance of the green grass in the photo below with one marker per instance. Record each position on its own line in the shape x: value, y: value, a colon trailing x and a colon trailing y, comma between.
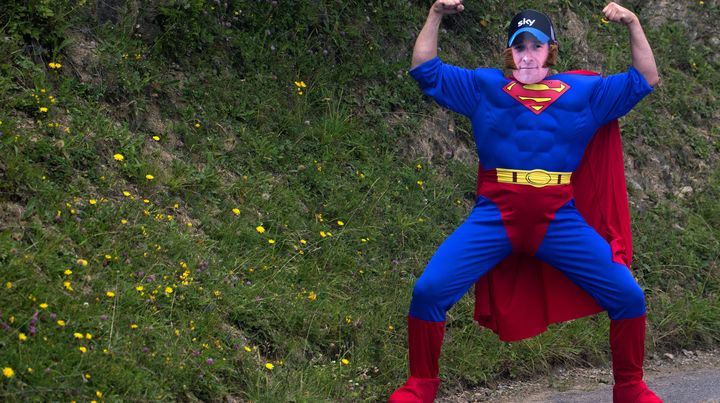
x: 184, y: 298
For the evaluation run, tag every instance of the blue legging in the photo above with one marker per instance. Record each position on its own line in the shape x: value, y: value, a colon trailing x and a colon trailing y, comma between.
x: 481, y: 242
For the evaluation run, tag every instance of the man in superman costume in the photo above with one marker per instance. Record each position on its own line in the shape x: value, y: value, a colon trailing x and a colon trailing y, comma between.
x: 548, y: 239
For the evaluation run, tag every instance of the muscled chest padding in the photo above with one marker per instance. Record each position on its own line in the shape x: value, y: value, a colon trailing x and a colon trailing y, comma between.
x: 519, y: 127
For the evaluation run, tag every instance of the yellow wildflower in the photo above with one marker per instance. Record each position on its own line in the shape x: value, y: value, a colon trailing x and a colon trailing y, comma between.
x: 43, y: 305
x: 78, y: 336
x: 271, y: 241
x: 67, y: 285
x: 119, y: 157
x: 82, y: 262
x: 92, y: 202
x: 345, y: 361
x: 156, y: 138
x: 340, y: 223
x: 43, y: 109
x: 8, y: 372
x: 110, y: 294
x: 236, y: 211
x: 149, y: 177
x: 82, y: 349
x: 312, y: 296
x: 260, y: 229
x: 61, y: 323
x: 22, y: 336
x: 269, y: 366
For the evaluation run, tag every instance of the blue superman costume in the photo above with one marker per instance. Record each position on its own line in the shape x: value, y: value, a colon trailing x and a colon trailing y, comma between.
x: 548, y: 239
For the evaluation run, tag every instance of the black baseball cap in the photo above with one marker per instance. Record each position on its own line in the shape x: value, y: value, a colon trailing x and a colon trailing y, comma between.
x: 534, y: 22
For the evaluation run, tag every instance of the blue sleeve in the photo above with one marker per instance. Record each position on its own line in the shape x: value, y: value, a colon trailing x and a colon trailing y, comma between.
x: 452, y: 87
x: 615, y: 95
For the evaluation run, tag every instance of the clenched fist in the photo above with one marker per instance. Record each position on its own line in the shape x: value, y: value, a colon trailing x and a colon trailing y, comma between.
x: 619, y: 14
x: 443, y: 7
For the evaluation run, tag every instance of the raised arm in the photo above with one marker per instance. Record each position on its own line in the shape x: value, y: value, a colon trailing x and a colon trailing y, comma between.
x: 426, y: 42
x: 642, y: 55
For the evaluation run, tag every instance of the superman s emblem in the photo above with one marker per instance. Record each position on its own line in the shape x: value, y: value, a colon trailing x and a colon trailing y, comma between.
x: 537, y: 97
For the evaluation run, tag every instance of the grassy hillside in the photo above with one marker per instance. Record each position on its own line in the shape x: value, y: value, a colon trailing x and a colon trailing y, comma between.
x: 231, y: 200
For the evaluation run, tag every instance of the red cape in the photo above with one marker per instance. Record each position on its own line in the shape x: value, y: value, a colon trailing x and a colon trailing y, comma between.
x: 521, y: 296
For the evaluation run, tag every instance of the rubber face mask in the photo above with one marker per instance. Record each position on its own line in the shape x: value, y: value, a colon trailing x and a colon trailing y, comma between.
x: 529, y: 56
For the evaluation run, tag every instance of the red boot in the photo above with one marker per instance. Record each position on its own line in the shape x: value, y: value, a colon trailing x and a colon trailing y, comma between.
x: 627, y: 345
x: 424, y: 342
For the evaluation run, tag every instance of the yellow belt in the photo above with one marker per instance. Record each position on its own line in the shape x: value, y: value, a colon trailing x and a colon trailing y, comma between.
x: 536, y: 177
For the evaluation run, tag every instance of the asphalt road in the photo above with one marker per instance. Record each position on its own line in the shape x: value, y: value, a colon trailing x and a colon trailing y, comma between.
x: 688, y: 377
x: 695, y: 386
